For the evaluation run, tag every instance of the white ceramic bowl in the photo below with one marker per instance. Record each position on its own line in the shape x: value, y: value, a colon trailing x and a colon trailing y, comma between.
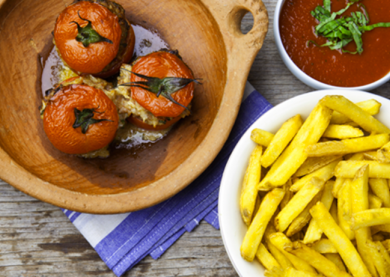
x: 302, y: 75
x: 233, y: 228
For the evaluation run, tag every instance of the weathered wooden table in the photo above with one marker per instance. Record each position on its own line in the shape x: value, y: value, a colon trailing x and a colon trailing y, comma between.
x: 37, y: 239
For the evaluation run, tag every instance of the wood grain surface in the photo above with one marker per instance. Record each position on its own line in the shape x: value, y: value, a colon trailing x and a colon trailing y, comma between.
x: 36, y: 239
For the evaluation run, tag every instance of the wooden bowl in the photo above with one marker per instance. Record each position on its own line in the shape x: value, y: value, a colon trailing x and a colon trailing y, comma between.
x: 207, y: 33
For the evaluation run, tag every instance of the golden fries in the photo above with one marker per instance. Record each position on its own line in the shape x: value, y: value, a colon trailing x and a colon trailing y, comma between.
x: 342, y: 132
x: 256, y: 230
x: 298, y: 203
x: 281, y: 139
x: 249, y: 191
x: 343, y: 245
x: 353, y: 112
x: 369, y: 106
x: 261, y: 137
x: 370, y: 218
x: 348, y: 169
x: 347, y: 146
x: 315, y: 259
x: 333, y: 197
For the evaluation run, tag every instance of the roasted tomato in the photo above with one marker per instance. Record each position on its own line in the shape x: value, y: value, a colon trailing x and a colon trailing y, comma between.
x: 162, y: 83
x: 94, y: 37
x: 79, y: 119
x: 168, y: 122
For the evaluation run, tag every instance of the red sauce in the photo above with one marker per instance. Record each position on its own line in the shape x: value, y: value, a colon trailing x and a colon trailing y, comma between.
x: 332, y: 66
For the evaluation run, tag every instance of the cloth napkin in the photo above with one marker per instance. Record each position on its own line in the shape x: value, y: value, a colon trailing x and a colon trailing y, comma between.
x: 122, y: 240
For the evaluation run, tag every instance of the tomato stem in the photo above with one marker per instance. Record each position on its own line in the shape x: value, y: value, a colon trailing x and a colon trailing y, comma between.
x: 85, y: 118
x: 87, y: 35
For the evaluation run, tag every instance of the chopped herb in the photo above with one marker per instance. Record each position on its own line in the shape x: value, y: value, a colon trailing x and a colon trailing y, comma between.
x: 343, y: 30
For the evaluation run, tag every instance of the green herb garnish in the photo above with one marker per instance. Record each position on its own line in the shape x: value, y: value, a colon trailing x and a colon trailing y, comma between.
x: 341, y: 31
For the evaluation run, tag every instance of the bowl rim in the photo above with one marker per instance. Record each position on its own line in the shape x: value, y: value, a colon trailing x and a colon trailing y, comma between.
x: 302, y: 76
x: 238, y: 47
x: 231, y: 224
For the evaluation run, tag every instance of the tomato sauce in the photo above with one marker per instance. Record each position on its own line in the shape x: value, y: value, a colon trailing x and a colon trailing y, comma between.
x: 332, y: 66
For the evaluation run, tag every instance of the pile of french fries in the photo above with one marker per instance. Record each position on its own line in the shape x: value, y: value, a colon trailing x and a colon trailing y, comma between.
x: 316, y: 197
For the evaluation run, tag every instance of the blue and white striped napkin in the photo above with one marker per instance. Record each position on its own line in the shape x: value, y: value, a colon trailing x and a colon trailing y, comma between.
x: 122, y: 240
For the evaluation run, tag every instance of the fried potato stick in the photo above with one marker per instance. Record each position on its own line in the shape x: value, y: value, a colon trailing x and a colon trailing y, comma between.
x: 342, y: 132
x: 374, y: 202
x: 347, y: 146
x: 291, y: 272
x: 371, y: 107
x: 316, y: 260
x: 348, y: 169
x: 281, y: 139
x: 278, y: 255
x: 379, y: 259
x: 249, y: 187
x: 280, y: 241
x: 303, y: 218
x: 336, y: 259
x: 257, y: 228
x: 324, y: 173
x: 353, y: 112
x: 337, y: 186
x: 314, y: 163
x: 266, y: 258
x: 298, y: 203
x: 294, y: 156
x: 343, y: 245
x: 261, y: 137
x: 384, y: 154
x: 324, y: 246
x: 380, y: 188
x: 314, y: 232
x: 344, y: 209
x: 359, y: 195
x: 370, y: 217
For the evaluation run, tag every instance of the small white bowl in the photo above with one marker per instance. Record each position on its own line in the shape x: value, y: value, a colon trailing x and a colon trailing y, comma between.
x: 232, y: 226
x: 302, y: 75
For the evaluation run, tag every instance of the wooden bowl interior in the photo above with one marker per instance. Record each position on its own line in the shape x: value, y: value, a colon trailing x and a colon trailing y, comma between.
x: 26, y: 28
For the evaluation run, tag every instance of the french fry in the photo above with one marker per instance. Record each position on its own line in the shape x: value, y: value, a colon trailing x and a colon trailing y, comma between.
x: 347, y: 146
x: 371, y: 217
x: 257, y: 228
x: 336, y: 259
x: 315, y: 163
x: 380, y: 188
x: 384, y: 154
x: 303, y: 218
x: 316, y: 260
x: 324, y: 246
x: 275, y: 272
x: 337, y: 186
x: 261, y: 137
x: 333, y: 211
x: 371, y: 155
x: 342, y: 132
x: 344, y: 209
x: 386, y: 244
x: 281, y: 139
x: 280, y: 241
x: 381, y: 228
x: 359, y: 195
x: 348, y: 169
x: 353, y: 112
x: 380, y: 262
x: 287, y: 195
x: 249, y: 186
x: 374, y: 202
x: 324, y: 173
x: 369, y: 106
x: 294, y: 156
x: 298, y: 203
x: 278, y: 255
x: 266, y: 258
x: 291, y: 272
x: 343, y: 245
x: 314, y: 232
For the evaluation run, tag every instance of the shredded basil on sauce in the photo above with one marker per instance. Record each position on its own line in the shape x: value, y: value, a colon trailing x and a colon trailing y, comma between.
x: 343, y: 30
